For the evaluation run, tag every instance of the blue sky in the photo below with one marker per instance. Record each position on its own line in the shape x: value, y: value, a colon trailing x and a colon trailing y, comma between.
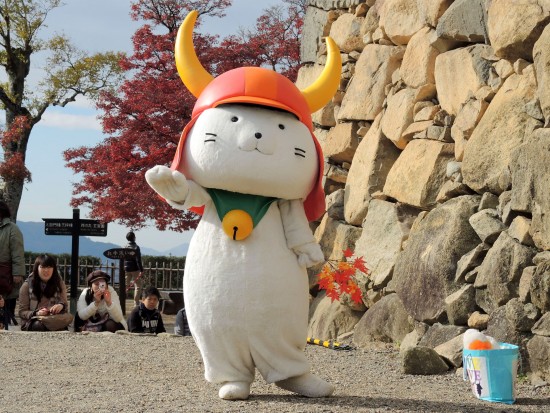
x: 96, y: 25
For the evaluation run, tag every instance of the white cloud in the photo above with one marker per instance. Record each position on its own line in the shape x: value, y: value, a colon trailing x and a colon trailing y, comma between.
x: 55, y: 119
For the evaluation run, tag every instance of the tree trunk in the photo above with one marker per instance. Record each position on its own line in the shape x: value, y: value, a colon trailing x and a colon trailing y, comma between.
x: 12, y: 189
x: 11, y: 194
x: 17, y: 69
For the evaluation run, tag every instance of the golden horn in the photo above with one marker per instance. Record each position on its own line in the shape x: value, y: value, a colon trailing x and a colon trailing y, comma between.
x: 192, y: 73
x: 320, y: 92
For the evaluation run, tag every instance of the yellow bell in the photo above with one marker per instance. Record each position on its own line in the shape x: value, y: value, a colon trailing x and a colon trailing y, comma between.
x: 237, y: 224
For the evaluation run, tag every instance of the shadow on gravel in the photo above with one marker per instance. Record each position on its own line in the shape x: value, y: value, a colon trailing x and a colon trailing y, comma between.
x: 394, y: 404
x: 526, y: 401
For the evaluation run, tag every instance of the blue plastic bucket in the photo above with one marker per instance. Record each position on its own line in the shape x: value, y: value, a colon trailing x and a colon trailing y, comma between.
x: 492, y: 373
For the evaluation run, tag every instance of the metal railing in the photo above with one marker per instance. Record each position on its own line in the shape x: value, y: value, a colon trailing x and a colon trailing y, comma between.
x: 163, y: 275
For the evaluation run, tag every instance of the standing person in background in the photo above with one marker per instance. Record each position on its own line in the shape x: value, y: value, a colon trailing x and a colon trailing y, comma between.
x: 134, y: 268
x: 12, y: 260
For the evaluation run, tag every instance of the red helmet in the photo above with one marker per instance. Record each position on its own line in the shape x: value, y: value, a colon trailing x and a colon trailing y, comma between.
x: 262, y: 87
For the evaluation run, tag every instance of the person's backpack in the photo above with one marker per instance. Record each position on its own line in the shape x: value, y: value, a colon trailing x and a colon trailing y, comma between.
x: 6, y: 279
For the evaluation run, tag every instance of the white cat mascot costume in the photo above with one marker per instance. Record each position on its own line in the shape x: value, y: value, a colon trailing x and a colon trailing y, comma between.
x: 249, y: 160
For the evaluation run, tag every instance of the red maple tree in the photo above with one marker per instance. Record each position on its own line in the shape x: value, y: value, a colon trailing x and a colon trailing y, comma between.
x: 145, y: 118
x: 13, y: 166
x: 274, y: 41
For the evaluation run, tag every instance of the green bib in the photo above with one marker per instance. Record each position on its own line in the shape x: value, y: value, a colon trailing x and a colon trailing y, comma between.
x: 255, y: 205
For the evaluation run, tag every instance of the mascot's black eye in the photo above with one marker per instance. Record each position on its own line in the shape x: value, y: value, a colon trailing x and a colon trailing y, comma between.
x: 234, y: 119
x: 281, y: 126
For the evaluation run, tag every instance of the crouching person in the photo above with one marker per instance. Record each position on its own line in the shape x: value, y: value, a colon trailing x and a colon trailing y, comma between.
x: 146, y: 318
x: 43, y: 298
x: 181, y: 326
x: 4, y: 315
x: 98, y: 307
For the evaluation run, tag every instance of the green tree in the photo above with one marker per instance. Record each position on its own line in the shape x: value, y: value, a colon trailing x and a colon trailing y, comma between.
x: 68, y: 73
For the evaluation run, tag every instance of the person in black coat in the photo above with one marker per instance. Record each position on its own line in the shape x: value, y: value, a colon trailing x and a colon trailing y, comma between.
x: 146, y: 318
x: 134, y: 268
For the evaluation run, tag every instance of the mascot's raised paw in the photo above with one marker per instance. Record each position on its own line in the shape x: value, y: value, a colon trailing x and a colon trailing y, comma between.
x: 309, y: 254
x: 169, y: 184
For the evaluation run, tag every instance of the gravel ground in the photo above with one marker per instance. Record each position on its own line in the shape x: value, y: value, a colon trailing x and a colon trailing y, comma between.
x: 104, y: 372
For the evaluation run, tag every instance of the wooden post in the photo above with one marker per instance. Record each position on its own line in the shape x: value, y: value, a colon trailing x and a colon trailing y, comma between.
x: 74, y: 259
x: 122, y: 285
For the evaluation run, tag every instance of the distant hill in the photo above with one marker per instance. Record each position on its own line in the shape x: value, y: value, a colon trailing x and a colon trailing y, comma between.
x: 37, y: 241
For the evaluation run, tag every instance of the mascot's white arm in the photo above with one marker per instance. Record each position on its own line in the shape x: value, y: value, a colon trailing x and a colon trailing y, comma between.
x: 175, y: 188
x: 298, y: 234
x: 183, y: 194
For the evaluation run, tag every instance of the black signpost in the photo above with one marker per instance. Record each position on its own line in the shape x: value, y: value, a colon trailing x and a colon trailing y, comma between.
x: 75, y: 227
x: 120, y: 254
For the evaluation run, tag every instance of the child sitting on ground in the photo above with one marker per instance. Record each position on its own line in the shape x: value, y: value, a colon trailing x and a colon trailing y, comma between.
x: 146, y: 318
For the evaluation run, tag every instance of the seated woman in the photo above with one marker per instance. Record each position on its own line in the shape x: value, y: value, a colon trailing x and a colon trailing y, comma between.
x: 99, y: 306
x: 43, y: 298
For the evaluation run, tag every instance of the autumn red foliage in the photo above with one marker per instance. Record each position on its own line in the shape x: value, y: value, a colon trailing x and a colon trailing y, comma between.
x: 145, y: 118
x: 13, y: 166
x: 274, y: 41
x: 338, y: 277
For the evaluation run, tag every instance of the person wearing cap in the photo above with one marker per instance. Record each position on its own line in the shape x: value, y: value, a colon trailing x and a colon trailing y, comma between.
x: 99, y: 306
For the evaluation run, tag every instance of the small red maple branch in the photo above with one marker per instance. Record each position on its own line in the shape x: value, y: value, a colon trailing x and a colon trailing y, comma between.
x: 338, y: 277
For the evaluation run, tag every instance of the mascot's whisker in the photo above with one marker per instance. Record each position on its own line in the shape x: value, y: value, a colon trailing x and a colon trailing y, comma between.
x: 210, y: 140
x: 300, y: 152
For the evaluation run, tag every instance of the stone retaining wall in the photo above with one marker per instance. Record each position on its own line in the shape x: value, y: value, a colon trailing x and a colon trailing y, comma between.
x: 437, y: 150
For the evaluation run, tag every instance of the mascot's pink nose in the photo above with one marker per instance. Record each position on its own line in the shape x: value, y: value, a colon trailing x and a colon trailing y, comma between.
x: 258, y: 135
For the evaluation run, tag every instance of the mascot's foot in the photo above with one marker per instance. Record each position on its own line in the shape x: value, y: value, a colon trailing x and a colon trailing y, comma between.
x: 307, y: 385
x: 235, y: 390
